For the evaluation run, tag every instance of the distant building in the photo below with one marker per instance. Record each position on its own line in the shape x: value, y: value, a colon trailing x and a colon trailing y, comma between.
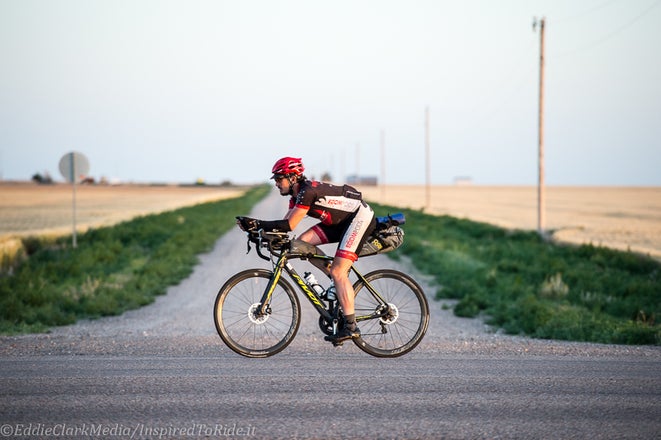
x: 463, y: 181
x: 362, y: 180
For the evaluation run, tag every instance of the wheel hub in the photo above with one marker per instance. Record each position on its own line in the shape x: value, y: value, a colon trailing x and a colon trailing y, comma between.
x: 391, y: 316
x: 255, y: 317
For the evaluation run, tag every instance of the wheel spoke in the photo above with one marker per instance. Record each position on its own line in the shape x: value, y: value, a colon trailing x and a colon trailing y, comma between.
x: 406, y: 322
x: 247, y: 333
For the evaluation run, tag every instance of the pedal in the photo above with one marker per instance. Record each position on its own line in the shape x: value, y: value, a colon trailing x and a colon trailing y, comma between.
x: 333, y: 341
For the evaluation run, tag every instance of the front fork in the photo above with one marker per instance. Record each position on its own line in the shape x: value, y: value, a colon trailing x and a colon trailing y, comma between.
x: 265, y: 305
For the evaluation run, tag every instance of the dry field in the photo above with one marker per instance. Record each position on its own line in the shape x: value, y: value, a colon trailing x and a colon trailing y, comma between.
x: 617, y: 217
x: 30, y: 209
x: 622, y: 218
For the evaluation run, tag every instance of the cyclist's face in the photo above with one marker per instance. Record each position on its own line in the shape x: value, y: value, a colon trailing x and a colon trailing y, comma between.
x: 283, y: 184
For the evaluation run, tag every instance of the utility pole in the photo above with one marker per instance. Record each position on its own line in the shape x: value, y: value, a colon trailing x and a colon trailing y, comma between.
x: 343, y: 168
x: 383, y: 166
x: 540, y: 160
x: 427, y: 166
x: 358, y: 180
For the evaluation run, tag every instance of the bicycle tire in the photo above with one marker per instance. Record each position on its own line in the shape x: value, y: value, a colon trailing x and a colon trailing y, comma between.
x: 401, y: 333
x: 241, y: 330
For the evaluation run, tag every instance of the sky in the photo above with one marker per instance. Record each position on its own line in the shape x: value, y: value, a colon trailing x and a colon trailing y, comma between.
x: 175, y: 91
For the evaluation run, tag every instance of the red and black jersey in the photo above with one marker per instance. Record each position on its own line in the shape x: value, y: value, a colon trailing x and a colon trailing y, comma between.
x: 329, y: 203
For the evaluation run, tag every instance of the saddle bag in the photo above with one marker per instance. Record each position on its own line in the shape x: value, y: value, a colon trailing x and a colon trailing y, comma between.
x: 387, y: 235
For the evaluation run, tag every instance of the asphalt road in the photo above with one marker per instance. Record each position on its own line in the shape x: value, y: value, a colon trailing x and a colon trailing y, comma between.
x: 162, y: 372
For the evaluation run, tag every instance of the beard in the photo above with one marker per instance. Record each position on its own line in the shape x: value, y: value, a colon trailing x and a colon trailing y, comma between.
x: 288, y: 191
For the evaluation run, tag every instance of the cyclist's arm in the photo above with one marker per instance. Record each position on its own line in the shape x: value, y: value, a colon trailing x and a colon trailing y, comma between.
x: 295, y: 215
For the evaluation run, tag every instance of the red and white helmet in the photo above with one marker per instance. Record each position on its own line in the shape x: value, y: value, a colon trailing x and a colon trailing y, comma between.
x: 288, y: 166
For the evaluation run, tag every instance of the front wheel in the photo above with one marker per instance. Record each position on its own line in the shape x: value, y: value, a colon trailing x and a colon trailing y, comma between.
x: 396, y: 327
x: 242, y: 327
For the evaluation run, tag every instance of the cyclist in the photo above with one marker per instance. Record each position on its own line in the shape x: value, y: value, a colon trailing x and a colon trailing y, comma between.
x: 344, y: 218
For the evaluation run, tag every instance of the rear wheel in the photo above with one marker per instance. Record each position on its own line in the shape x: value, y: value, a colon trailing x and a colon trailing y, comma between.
x: 396, y: 327
x: 238, y: 319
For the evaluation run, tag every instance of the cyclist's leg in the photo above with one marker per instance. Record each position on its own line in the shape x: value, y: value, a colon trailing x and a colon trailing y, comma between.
x: 316, y: 236
x: 312, y: 236
x: 339, y: 271
x: 347, y: 253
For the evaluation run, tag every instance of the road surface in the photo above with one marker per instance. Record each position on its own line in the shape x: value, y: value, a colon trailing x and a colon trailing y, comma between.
x: 162, y: 372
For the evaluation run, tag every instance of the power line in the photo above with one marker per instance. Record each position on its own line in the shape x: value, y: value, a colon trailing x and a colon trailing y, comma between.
x: 564, y: 20
x: 611, y: 34
x: 506, y: 87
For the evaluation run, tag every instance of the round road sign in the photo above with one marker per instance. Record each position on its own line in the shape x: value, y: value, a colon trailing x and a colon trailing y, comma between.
x: 74, y: 166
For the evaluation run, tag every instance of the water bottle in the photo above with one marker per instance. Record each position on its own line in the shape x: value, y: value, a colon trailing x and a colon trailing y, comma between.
x: 312, y: 282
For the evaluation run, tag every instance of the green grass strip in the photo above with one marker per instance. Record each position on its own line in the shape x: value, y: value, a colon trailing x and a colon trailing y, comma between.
x: 526, y: 285
x: 523, y: 284
x: 113, y: 269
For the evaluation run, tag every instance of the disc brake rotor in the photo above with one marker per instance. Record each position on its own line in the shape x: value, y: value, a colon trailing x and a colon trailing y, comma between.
x: 254, y: 317
x: 391, y: 316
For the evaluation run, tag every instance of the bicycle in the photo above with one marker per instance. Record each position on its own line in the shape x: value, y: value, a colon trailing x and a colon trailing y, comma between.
x: 257, y: 312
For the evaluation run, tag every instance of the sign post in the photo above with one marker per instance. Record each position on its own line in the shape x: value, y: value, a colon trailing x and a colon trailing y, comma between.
x: 73, y: 166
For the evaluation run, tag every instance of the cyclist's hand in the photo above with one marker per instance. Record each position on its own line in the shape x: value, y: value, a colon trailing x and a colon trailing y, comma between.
x: 247, y: 224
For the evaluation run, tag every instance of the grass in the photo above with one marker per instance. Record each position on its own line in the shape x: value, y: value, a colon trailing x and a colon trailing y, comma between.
x: 113, y: 269
x: 520, y: 282
x: 526, y: 285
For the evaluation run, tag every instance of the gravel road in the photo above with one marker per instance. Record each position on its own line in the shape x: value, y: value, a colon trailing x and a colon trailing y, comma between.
x: 162, y: 372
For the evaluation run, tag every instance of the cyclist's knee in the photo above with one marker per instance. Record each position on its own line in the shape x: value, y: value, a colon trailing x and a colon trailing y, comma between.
x: 310, y: 236
x: 339, y: 270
